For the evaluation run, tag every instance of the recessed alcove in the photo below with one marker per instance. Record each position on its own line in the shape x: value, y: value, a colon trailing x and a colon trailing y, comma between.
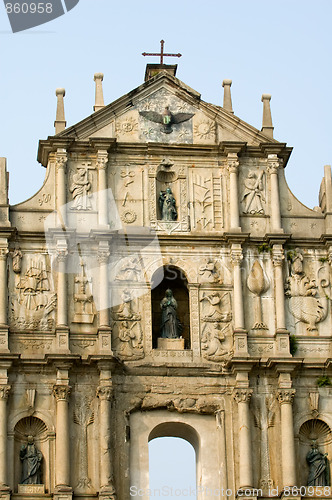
x: 175, y: 280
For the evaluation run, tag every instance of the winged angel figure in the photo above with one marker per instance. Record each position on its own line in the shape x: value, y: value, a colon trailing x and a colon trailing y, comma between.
x: 166, y: 118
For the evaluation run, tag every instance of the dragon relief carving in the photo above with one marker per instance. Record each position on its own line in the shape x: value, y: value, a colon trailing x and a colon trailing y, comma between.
x: 306, y: 304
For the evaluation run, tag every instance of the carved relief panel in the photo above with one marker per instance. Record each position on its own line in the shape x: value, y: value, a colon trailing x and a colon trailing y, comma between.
x: 127, y: 184
x: 216, y: 317
x: 206, y: 205
x: 32, y: 299
x: 308, y: 292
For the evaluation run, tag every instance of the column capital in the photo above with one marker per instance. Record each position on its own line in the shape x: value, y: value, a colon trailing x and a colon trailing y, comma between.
x: 273, y: 164
x: 4, y: 392
x: 236, y: 255
x: 104, y: 392
x: 242, y: 395
x: 3, y: 253
x: 61, y: 392
x: 278, y: 255
x: 103, y: 252
x: 233, y: 163
x: 61, y: 254
x: 285, y: 396
x: 61, y: 159
x: 102, y: 159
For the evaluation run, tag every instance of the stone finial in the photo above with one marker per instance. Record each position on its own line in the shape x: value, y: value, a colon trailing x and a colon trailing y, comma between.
x: 227, y: 96
x: 267, y: 126
x: 99, y: 99
x: 60, y: 122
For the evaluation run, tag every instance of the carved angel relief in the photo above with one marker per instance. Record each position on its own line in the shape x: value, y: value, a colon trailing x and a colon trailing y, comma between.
x: 305, y: 302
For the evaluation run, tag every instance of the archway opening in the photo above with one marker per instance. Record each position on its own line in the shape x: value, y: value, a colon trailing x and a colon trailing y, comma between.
x: 176, y: 281
x: 172, y: 467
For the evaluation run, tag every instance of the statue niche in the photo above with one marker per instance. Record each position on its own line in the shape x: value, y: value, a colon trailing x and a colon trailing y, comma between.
x: 31, y: 451
x: 170, y: 310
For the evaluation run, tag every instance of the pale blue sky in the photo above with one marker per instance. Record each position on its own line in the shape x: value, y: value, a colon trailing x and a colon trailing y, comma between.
x: 280, y: 47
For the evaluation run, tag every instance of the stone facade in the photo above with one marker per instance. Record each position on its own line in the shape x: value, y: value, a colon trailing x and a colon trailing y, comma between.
x: 85, y: 263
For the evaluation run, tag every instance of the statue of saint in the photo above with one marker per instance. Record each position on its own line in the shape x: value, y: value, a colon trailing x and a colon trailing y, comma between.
x: 31, y: 463
x: 253, y: 195
x: 167, y: 205
x: 80, y: 190
x: 319, y: 468
x: 171, y: 326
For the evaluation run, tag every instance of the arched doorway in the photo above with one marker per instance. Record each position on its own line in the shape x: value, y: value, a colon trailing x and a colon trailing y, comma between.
x: 172, y: 467
x: 173, y: 459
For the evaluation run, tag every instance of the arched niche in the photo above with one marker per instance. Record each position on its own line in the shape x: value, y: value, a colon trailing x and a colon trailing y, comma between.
x: 32, y: 426
x: 175, y: 280
x: 311, y: 430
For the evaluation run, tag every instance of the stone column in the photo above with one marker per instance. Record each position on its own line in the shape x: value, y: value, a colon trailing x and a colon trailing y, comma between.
x: 102, y: 159
x: 282, y: 335
x: 278, y: 259
x: 62, y: 309
x: 285, y: 398
x: 3, y: 287
x: 62, y: 441
x: 61, y: 198
x: 242, y: 397
x: 4, y: 393
x: 273, y: 163
x: 220, y: 420
x: 99, y: 96
x: 236, y: 259
x: 103, y: 306
x: 105, y: 394
x: 233, y: 167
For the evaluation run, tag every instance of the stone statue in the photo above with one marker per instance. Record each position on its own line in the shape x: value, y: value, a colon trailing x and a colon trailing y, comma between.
x: 319, y: 468
x: 167, y: 205
x: 17, y: 260
x: 253, y: 195
x: 31, y: 463
x: 80, y: 190
x: 170, y: 327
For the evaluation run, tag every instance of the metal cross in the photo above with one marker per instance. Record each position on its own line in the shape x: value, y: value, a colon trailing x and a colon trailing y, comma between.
x: 162, y: 54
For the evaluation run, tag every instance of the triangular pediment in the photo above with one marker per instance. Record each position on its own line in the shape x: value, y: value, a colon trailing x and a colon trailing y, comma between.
x: 165, y: 110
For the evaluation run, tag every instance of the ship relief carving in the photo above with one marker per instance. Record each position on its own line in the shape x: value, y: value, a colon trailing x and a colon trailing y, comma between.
x: 33, y: 301
x: 308, y: 301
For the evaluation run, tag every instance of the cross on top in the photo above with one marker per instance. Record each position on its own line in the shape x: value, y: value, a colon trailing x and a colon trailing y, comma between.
x: 162, y: 54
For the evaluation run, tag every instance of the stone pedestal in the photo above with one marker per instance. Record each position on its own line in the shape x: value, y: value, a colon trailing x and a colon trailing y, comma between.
x: 31, y: 489
x: 171, y: 344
